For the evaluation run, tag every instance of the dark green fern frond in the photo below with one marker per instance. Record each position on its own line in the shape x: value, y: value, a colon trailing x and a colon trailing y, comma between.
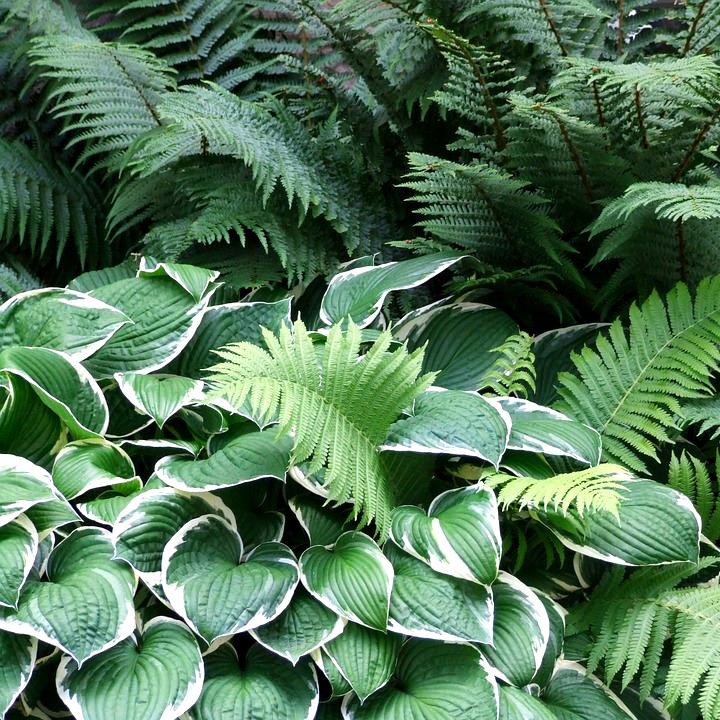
x: 337, y: 404
x: 630, y: 386
x: 513, y: 372
x: 15, y: 278
x: 705, y: 414
x: 702, y: 27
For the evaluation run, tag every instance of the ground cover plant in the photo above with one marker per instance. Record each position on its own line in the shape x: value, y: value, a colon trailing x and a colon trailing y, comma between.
x: 358, y: 359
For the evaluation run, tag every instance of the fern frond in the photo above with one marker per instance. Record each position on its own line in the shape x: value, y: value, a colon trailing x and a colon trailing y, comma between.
x: 338, y: 405
x: 704, y: 412
x: 15, y: 278
x: 703, y: 27
x: 513, y: 372
x: 629, y: 387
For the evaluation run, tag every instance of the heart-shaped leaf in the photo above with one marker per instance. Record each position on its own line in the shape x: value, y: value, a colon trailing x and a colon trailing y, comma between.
x: 247, y: 504
x: 432, y: 680
x: 50, y: 515
x: 159, y: 396
x: 156, y: 678
x: 17, y: 653
x: 86, y: 604
x: 89, y: 464
x: 219, y: 593
x: 354, y: 579
x: 365, y: 658
x: 516, y: 704
x: 452, y: 423
x: 243, y: 459
x: 22, y: 485
x: 521, y: 630
x: 18, y: 548
x: 426, y: 604
x: 460, y: 535
x: 322, y: 523
x: 302, y: 627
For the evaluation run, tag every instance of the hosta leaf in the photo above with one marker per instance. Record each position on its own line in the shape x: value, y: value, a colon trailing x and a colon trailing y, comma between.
x: 147, y: 524
x: 459, y: 536
x: 194, y: 280
x: 107, y: 506
x: 164, y: 317
x: 574, y: 694
x: 159, y: 396
x: 302, y: 627
x: 452, y: 423
x: 247, y: 504
x: 157, y: 677
x: 521, y: 630
x: 230, y: 323
x: 354, y: 579
x: 322, y: 523
x: 86, y: 604
x: 359, y: 293
x: 22, y: 485
x: 432, y: 680
x: 244, y: 459
x: 89, y: 464
x: 556, y: 641
x: 17, y: 661
x: 516, y: 704
x: 461, y: 340
x: 18, y: 547
x: 654, y: 525
x: 540, y: 429
x: 62, y: 384
x: 51, y: 515
x: 59, y: 319
x: 219, y: 593
x: 365, y: 658
x: 265, y: 686
x: 426, y: 604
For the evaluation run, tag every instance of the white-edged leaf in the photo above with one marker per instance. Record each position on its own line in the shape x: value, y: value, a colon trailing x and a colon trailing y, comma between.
x: 426, y: 604
x: 521, y: 630
x: 365, y: 658
x: 248, y: 457
x: 322, y: 523
x: 217, y: 591
x: 90, y: 464
x: 17, y: 662
x: 556, y: 640
x: 432, y: 680
x: 354, y: 579
x: 18, y: 548
x: 59, y: 319
x: 22, y: 485
x: 266, y: 686
x: 62, y: 384
x: 359, y: 293
x: 86, y: 604
x: 194, y: 280
x: 516, y: 704
x: 452, y: 422
x: 540, y: 429
x: 459, y: 535
x: 51, y: 515
x: 158, y: 677
x: 302, y: 627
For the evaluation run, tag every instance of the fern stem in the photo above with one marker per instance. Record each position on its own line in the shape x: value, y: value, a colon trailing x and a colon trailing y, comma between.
x: 138, y: 89
x: 682, y: 257
x: 620, y: 44
x: 553, y: 27
x: 575, y: 155
x: 641, y: 120
x: 598, y: 104
x: 693, y: 27
x: 695, y: 144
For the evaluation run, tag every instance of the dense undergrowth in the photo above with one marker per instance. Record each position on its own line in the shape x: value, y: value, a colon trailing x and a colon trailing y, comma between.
x: 358, y: 360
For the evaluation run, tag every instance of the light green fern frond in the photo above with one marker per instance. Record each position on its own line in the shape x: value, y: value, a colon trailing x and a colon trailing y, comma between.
x: 629, y: 387
x: 513, y: 372
x: 337, y: 404
x: 595, y: 488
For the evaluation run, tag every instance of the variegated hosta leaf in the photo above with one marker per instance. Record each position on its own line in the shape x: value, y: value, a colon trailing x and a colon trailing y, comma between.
x: 146, y: 525
x: 90, y: 464
x: 516, y: 704
x: 217, y: 591
x: 156, y: 677
x: 426, y: 604
x: 266, y: 686
x: 459, y: 536
x: 556, y: 640
x: 107, y: 506
x: 247, y: 504
x: 62, y: 384
x: 521, y: 630
x: 654, y: 525
x: 86, y: 604
x: 22, y: 485
x: 354, y: 579
x: 536, y: 428
x: 432, y: 680
x: 243, y: 459
x: 575, y: 694
x: 339, y: 686
x: 452, y: 422
x: 59, y: 319
x: 51, y: 515
x: 365, y: 658
x: 194, y: 280
x: 359, y: 293
x: 17, y: 661
x: 164, y: 317
x: 322, y: 523
x: 159, y: 396
x: 18, y: 548
x: 302, y: 627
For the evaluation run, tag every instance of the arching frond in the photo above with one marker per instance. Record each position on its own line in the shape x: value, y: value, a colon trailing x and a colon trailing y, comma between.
x: 513, y: 372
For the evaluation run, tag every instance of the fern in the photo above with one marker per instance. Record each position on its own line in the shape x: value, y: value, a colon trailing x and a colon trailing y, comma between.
x: 629, y: 388
x: 338, y: 408
x: 704, y: 412
x: 513, y: 372
x: 596, y: 488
